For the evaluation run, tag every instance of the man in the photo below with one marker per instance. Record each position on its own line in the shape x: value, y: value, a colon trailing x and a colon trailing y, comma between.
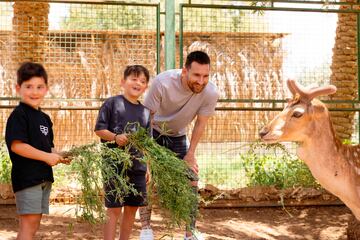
x: 175, y: 98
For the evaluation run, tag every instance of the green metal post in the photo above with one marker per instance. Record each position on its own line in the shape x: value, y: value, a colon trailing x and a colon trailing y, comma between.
x: 158, y: 39
x: 169, y: 34
x: 181, y: 36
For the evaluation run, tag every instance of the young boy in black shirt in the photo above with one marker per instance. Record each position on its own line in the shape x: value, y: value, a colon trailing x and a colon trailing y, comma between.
x: 29, y: 139
x: 114, y: 122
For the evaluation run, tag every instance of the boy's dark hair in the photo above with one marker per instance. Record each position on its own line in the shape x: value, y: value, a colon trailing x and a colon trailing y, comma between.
x: 136, y: 70
x: 197, y: 56
x: 28, y: 70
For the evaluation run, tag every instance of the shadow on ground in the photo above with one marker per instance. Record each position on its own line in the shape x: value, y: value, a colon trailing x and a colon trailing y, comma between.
x: 317, y: 223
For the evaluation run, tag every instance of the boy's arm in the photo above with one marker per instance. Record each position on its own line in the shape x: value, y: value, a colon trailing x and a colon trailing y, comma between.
x: 28, y: 151
x: 106, y: 135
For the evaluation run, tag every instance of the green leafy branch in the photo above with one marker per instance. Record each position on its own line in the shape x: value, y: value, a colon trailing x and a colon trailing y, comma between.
x: 96, y: 163
x: 169, y: 176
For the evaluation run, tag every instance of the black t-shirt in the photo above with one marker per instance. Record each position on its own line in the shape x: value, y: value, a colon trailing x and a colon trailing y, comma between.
x: 33, y: 127
x: 118, y: 115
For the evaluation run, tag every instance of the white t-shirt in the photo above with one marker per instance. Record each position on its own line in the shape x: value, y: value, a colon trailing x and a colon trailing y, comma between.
x: 176, y: 106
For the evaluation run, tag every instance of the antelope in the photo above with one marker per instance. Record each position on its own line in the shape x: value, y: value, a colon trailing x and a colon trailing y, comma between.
x: 306, y: 120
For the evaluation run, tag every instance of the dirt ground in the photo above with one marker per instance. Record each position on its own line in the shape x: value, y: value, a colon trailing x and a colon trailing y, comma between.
x: 315, y: 223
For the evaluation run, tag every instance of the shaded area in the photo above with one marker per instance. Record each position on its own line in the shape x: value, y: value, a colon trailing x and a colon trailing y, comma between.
x: 317, y: 223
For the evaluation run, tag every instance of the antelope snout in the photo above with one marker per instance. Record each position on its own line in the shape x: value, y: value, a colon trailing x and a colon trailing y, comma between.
x: 263, y: 132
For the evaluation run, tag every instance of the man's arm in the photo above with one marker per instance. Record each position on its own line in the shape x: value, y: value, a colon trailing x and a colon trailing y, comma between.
x: 196, y: 135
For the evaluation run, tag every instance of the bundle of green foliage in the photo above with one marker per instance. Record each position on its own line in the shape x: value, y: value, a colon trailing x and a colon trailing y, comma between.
x: 169, y: 176
x: 278, y: 168
x: 94, y: 164
x: 5, y: 164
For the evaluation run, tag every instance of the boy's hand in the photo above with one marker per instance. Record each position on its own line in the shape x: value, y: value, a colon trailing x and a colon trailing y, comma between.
x: 64, y: 154
x: 54, y: 159
x: 67, y: 158
x: 121, y: 139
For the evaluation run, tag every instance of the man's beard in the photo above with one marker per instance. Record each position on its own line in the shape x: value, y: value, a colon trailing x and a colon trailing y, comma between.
x: 196, y: 88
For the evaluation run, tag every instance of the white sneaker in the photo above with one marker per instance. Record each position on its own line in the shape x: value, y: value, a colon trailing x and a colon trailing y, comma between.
x: 146, y: 234
x: 196, y: 236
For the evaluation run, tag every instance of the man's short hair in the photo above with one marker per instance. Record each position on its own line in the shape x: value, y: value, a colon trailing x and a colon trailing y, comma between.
x: 136, y: 70
x: 28, y: 70
x: 197, y: 56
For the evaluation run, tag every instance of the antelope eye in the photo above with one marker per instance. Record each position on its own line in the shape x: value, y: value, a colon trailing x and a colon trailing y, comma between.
x: 297, y: 114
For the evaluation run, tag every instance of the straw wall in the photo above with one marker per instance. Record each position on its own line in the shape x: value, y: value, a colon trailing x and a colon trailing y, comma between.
x: 244, y: 66
x: 84, y: 68
x: 88, y: 66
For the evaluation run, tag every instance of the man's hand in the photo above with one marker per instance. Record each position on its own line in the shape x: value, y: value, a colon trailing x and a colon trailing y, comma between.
x: 192, y: 162
x: 121, y: 139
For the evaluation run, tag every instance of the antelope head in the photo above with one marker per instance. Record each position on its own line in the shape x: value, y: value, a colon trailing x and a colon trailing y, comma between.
x: 298, y: 119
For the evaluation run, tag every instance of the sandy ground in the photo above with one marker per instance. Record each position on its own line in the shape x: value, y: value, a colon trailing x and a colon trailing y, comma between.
x: 317, y: 223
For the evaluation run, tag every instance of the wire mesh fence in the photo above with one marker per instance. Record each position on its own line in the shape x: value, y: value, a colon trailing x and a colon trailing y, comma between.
x: 86, y: 46
x: 253, y: 52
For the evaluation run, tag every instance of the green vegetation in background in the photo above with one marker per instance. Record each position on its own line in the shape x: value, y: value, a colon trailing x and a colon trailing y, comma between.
x: 5, y: 163
x: 108, y: 17
x: 223, y: 20
x: 349, y: 142
x: 279, y: 168
x: 124, y: 17
x: 224, y: 175
x: 261, y: 165
x: 318, y: 74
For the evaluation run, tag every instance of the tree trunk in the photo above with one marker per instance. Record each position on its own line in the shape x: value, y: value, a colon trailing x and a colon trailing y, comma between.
x: 30, y: 29
x: 344, y: 71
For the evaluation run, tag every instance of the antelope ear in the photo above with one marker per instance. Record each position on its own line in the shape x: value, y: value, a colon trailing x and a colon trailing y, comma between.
x: 318, y: 109
x: 290, y: 85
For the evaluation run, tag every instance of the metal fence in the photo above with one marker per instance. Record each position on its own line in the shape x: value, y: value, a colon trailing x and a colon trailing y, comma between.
x: 84, y: 47
x: 253, y: 48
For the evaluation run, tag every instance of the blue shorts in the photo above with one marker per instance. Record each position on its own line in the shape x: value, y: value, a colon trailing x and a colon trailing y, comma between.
x: 139, y: 183
x: 33, y: 200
